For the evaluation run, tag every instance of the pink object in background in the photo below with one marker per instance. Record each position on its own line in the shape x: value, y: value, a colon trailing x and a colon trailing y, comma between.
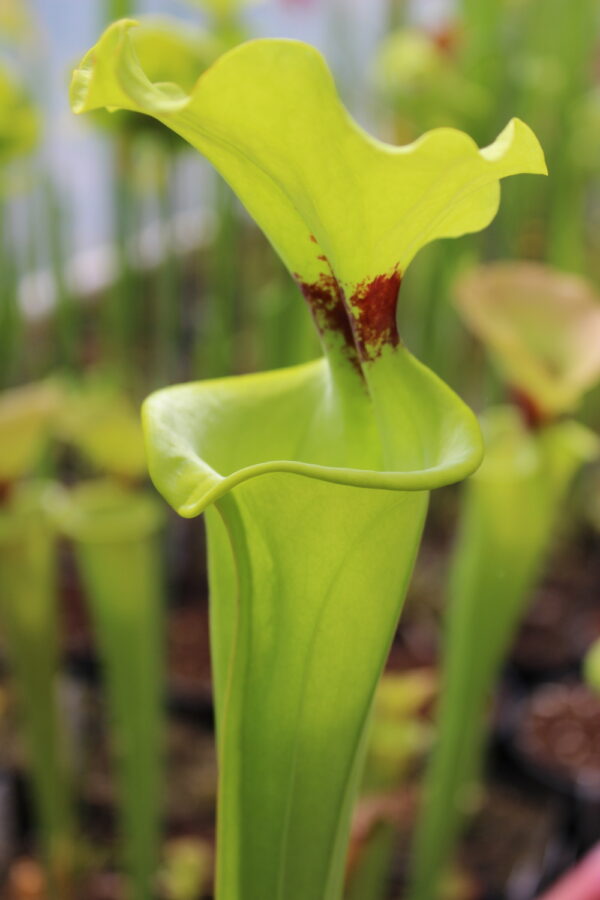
x: 581, y: 883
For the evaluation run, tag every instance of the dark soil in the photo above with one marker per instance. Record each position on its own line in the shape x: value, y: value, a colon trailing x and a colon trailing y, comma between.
x: 560, y: 732
x: 559, y: 626
x: 505, y: 845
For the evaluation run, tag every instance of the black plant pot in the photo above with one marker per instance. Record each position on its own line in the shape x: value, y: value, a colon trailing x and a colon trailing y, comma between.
x: 553, y: 738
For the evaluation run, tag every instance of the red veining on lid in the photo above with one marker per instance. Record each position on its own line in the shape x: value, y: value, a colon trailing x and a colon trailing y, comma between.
x: 326, y: 301
x: 532, y: 414
x: 365, y: 319
x: 373, y: 304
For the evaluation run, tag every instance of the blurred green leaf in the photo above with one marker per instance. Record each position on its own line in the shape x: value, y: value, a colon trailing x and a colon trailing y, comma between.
x: 29, y: 617
x: 19, y: 119
x: 105, y: 427
x: 115, y: 532
x: 27, y: 419
x: 591, y: 666
x: 511, y: 509
x: 425, y: 85
x: 187, y: 870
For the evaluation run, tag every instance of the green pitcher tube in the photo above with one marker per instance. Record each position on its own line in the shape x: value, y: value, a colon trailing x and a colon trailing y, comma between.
x: 510, y: 511
x: 28, y: 617
x: 115, y: 532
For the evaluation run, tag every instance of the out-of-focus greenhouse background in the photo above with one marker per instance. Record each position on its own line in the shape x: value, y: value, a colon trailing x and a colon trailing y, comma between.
x: 61, y: 32
x: 127, y: 264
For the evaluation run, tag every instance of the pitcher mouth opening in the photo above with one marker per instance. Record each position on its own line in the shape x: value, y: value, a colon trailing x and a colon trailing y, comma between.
x: 182, y: 466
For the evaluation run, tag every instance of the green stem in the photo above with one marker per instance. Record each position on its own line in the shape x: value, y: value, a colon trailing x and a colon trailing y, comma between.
x: 29, y: 619
x: 66, y: 313
x: 563, y: 42
x: 482, y: 56
x: 283, y: 325
x: 510, y: 511
x: 396, y: 14
x: 119, y: 9
x: 120, y: 313
x: 441, y: 343
x: 167, y: 285
x: 10, y: 314
x: 567, y: 225
x: 214, y: 350
x: 290, y: 731
x: 371, y: 880
x: 115, y: 535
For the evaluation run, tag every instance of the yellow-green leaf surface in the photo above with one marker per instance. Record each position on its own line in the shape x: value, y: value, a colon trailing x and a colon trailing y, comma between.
x: 542, y: 328
x: 314, y: 478
x: 341, y: 208
x: 167, y: 50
